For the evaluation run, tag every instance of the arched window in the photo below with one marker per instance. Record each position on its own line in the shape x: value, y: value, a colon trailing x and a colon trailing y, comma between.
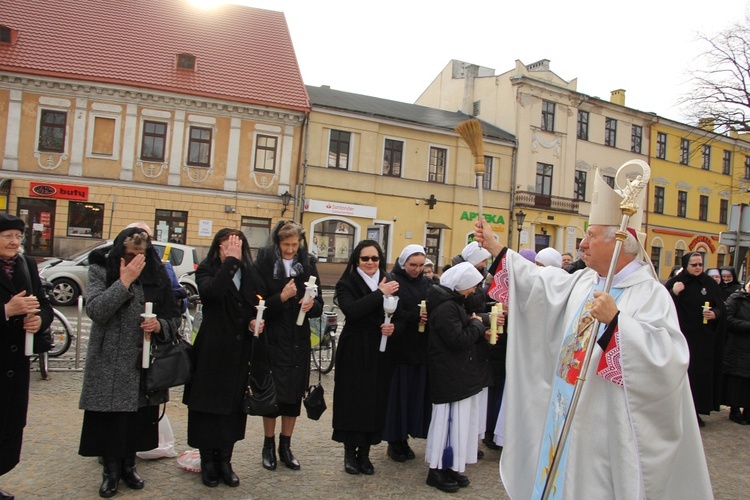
x: 332, y: 241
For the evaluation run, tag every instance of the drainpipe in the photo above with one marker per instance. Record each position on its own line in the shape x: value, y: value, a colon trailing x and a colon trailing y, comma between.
x: 299, y: 191
x: 511, y: 225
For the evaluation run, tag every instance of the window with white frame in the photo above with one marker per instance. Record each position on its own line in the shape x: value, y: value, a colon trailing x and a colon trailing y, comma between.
x: 548, y: 116
x: 393, y: 152
x: 438, y: 158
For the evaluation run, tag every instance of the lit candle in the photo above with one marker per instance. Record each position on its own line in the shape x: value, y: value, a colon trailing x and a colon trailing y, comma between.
x: 310, y: 291
x: 389, y: 306
x: 146, y: 354
x: 493, y: 325
x: 706, y: 307
x: 422, y: 310
x: 259, y: 315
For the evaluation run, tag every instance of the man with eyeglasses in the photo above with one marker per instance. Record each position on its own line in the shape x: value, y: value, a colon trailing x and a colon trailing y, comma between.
x: 700, y: 308
x: 26, y: 309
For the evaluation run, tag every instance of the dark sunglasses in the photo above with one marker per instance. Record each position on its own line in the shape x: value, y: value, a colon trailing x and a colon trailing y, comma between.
x: 696, y: 265
x: 367, y: 258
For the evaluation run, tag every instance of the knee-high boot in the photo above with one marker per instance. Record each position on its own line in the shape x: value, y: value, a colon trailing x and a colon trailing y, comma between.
x: 269, y: 453
x: 110, y: 477
x: 285, y: 452
x: 129, y: 474
x: 208, y: 468
x: 224, y: 466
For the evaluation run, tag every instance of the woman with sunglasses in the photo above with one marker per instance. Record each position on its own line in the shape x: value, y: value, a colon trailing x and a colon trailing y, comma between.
x: 119, y: 418
x: 692, y: 290
x: 362, y: 376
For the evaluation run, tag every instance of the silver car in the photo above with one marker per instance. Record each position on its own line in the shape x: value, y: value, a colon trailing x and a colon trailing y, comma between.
x: 69, y: 277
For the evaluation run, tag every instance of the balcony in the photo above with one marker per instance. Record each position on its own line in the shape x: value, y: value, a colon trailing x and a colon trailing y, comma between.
x: 546, y: 202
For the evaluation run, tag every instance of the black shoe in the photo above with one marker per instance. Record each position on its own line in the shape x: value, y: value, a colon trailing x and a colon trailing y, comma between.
x: 736, y: 416
x: 480, y: 454
x: 285, y: 452
x: 363, y: 459
x: 407, y: 450
x: 224, y: 467
x: 395, y: 451
x: 110, y: 477
x: 438, y: 479
x: 130, y: 475
x: 351, y: 466
x: 4, y: 495
x: 462, y: 480
x: 701, y: 423
x: 209, y: 476
x: 269, y: 453
x: 491, y: 444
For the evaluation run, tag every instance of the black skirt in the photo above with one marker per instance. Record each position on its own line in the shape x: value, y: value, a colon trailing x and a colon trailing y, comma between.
x: 409, y: 407
x: 736, y: 391
x: 213, y: 431
x: 119, y: 434
x: 10, y: 451
x: 356, y: 438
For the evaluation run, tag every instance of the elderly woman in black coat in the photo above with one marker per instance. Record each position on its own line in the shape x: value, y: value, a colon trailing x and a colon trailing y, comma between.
x: 691, y: 289
x: 216, y: 419
x: 737, y: 357
x: 119, y: 417
x: 283, y: 268
x: 360, y: 393
x: 26, y: 309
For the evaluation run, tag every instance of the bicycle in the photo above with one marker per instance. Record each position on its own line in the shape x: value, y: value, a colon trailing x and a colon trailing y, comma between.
x: 323, y: 352
x: 191, y: 323
x: 62, y: 336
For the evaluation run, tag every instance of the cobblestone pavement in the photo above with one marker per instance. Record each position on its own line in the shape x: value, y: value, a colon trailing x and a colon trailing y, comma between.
x: 51, y: 468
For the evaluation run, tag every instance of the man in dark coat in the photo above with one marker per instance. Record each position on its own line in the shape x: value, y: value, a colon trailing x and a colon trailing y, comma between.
x: 700, y: 308
x: 26, y: 307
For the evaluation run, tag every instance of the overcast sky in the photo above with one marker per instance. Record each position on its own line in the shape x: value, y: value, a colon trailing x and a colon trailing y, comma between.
x: 394, y: 49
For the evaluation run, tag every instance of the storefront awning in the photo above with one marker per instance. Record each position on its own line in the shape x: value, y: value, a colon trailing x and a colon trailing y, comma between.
x: 436, y: 225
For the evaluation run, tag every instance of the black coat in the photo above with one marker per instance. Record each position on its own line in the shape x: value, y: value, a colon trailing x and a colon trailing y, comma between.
x: 705, y: 341
x: 286, y: 347
x: 737, y: 348
x: 222, y: 346
x: 453, y: 371
x: 362, y: 377
x: 410, y: 345
x: 14, y: 365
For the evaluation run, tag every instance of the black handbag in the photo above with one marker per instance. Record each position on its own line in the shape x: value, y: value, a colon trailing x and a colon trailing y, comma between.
x: 171, y: 365
x: 260, y: 392
x: 315, y: 401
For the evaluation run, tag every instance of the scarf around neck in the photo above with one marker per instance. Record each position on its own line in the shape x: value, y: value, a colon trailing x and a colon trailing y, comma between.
x: 279, y: 271
x: 370, y: 281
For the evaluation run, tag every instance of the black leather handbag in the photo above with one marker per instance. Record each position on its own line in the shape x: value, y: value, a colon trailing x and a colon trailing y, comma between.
x: 315, y: 401
x: 171, y: 365
x: 260, y: 392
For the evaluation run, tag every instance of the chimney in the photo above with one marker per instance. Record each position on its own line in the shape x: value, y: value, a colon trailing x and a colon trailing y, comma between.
x: 540, y: 65
x: 707, y: 124
x: 617, y: 97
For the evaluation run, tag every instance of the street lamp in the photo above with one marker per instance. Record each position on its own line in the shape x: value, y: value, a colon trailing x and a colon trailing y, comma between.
x: 520, y: 217
x: 285, y: 199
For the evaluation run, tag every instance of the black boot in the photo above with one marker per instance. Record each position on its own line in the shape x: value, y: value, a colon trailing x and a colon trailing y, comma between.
x: 223, y: 460
x: 285, y: 452
x: 4, y: 495
x: 396, y: 452
x: 363, y: 458
x: 110, y: 477
x: 351, y: 466
x: 129, y: 474
x: 736, y: 416
x: 407, y: 450
x: 208, y: 469
x: 438, y: 479
x: 462, y: 480
x: 269, y: 453
x: 746, y: 415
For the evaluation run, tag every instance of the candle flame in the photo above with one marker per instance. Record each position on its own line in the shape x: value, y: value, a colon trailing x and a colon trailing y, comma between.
x: 259, y: 297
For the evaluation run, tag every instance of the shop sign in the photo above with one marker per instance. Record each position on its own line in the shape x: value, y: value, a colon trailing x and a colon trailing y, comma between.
x: 59, y: 191
x: 490, y: 218
x: 702, y: 239
x: 345, y: 209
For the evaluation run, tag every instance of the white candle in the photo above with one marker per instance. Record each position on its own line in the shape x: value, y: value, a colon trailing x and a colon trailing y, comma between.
x: 500, y: 328
x: 146, y: 354
x: 422, y: 309
x: 389, y: 306
x: 259, y: 316
x: 29, y: 347
x: 310, y: 288
x: 493, y: 325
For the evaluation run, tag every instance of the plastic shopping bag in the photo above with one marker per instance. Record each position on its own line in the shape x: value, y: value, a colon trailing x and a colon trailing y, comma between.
x: 166, y: 443
x: 190, y: 460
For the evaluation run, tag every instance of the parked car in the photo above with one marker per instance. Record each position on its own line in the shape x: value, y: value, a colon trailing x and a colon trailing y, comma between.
x: 69, y: 277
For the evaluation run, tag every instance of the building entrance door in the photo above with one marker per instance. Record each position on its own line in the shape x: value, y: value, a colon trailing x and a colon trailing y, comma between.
x: 39, y: 216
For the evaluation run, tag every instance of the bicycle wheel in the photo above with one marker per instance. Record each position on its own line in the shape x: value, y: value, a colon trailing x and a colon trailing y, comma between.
x: 61, y: 334
x: 324, y: 355
x: 44, y: 365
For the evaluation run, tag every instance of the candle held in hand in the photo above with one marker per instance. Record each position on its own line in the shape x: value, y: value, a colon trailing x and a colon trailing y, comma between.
x: 29, y: 339
x: 422, y: 309
x: 148, y: 313
x: 493, y: 325
x: 259, y: 315
x: 310, y: 291
x: 706, y: 307
x: 500, y: 328
x: 389, y: 306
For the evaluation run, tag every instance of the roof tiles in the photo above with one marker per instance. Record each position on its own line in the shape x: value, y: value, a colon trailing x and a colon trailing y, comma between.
x: 242, y: 53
